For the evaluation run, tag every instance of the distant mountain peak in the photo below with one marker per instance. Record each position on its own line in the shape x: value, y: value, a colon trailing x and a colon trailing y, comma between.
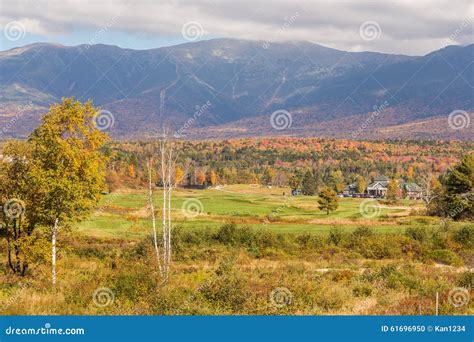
x: 325, y: 90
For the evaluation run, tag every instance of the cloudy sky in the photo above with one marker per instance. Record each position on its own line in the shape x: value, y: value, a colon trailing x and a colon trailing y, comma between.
x: 412, y: 27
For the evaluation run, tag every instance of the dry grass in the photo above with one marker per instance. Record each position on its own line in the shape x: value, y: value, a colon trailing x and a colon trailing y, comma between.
x: 221, y: 279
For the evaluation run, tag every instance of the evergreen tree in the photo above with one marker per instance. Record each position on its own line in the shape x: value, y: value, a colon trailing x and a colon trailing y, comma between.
x: 456, y: 197
x: 328, y: 200
x: 308, y: 185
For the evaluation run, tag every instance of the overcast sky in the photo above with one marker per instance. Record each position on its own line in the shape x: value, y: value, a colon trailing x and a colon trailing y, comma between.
x: 413, y: 27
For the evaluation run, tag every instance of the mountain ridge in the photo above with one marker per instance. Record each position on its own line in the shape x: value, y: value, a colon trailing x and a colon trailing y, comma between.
x: 146, y: 89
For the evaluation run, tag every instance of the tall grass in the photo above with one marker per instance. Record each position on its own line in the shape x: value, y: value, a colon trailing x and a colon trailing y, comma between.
x: 240, y: 270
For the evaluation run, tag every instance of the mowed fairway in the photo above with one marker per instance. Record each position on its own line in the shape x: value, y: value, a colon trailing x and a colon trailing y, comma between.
x: 125, y: 214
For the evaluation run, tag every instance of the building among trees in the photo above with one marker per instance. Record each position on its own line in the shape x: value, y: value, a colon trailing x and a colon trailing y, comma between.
x: 380, y: 186
x: 350, y: 190
x: 411, y: 190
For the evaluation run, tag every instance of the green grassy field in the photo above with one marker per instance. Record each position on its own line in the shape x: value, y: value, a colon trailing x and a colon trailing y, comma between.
x: 125, y: 214
x: 227, y: 269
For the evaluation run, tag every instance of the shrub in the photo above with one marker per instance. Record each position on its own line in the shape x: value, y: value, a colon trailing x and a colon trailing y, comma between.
x: 329, y: 252
x: 332, y: 298
x: 226, y: 233
x: 464, y: 236
x: 417, y: 233
x: 387, y: 270
x: 412, y: 248
x: 140, y: 249
x: 380, y: 247
x: 466, y: 280
x: 362, y: 291
x: 358, y: 236
x: 226, y: 265
x: 267, y: 239
x: 335, y: 236
x: 445, y: 256
x: 439, y: 239
x: 363, y: 231
x: 227, y: 290
x: 342, y: 275
x: 133, y: 286
x: 91, y: 252
x: 423, y: 220
x: 169, y: 303
x: 191, y: 236
x: 309, y: 241
x: 407, y: 281
x: 230, y: 234
x: 379, y: 273
x: 245, y: 236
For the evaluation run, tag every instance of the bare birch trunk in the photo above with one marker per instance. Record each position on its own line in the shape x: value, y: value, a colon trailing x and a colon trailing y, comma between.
x: 167, y: 162
x: 153, y: 217
x: 53, y: 251
x: 169, y: 189
x: 165, y: 190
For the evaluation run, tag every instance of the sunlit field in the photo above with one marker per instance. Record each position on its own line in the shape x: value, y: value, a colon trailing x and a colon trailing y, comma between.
x: 233, y: 171
x: 237, y: 248
x: 125, y: 214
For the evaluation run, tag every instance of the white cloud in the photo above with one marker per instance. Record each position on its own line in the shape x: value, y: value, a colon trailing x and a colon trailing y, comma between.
x: 411, y: 27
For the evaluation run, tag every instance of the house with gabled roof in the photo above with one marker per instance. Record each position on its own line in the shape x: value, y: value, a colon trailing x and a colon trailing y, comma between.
x: 350, y: 190
x: 411, y: 190
x: 379, y: 187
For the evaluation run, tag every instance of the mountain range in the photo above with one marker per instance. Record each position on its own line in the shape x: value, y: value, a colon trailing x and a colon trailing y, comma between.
x: 235, y: 88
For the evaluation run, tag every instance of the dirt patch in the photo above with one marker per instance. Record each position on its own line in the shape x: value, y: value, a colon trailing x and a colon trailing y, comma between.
x: 453, y: 269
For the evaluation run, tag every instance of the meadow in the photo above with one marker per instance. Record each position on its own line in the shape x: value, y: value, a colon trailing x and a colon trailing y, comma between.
x: 124, y: 214
x: 248, y: 249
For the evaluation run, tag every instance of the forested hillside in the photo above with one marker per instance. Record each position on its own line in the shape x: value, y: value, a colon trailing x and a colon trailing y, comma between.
x: 274, y: 161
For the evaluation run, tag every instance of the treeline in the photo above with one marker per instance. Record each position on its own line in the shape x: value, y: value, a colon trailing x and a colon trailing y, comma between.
x: 286, y: 161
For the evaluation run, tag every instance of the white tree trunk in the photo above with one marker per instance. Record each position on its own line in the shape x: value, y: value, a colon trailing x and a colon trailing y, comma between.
x: 167, y: 162
x: 164, y: 180
x: 53, y: 251
x: 153, y: 217
x: 170, y: 187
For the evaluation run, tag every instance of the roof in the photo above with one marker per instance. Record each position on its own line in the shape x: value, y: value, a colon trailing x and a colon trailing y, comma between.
x: 378, y: 184
x: 411, y: 187
x: 352, y: 186
x: 381, y: 179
